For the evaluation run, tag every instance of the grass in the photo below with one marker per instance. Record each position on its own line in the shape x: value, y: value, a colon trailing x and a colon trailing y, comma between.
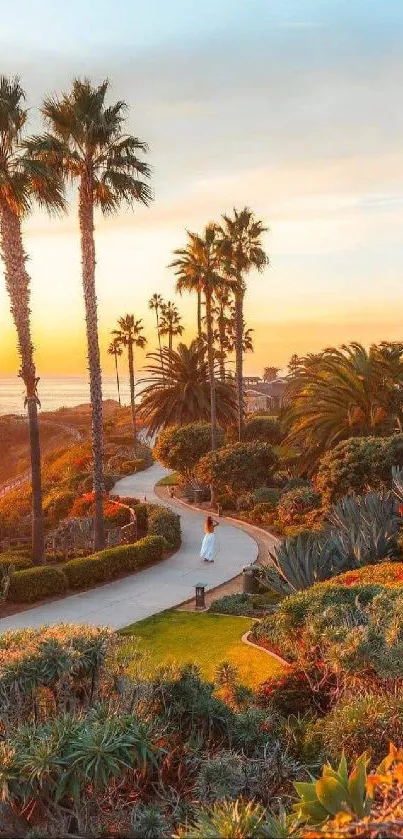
x: 204, y: 638
x: 169, y: 480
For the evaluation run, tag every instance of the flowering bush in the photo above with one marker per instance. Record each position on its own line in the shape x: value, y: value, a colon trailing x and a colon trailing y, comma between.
x: 385, y: 573
x: 115, y: 514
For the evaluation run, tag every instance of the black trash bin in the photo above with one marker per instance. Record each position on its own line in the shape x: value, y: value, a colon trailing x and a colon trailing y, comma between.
x: 251, y: 580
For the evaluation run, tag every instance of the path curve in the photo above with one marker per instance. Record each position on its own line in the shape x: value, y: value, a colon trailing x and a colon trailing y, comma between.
x: 159, y: 587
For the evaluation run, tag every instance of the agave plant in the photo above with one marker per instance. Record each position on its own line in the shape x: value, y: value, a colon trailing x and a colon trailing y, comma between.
x: 300, y: 562
x: 221, y: 778
x: 365, y: 527
x: 335, y: 792
x: 148, y: 822
x: 235, y: 820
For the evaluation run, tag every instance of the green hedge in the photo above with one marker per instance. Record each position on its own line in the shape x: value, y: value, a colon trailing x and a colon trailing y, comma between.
x: 36, y: 583
x: 20, y: 562
x: 110, y: 563
x: 164, y: 522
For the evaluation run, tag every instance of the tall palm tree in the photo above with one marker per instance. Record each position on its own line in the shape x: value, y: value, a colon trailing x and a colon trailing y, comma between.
x: 130, y: 335
x: 170, y: 323
x: 156, y: 303
x: 86, y: 143
x: 115, y: 349
x: 242, y: 250
x: 224, y: 322
x: 179, y: 392
x: 198, y: 268
x: 22, y: 182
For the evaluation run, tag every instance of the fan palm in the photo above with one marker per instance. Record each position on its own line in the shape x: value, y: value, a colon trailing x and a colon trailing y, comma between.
x: 179, y: 392
x: 115, y: 349
x: 198, y: 268
x: 86, y: 143
x: 224, y: 323
x: 156, y: 303
x: 130, y: 335
x: 343, y: 393
x: 170, y: 323
x: 23, y: 181
x: 241, y: 248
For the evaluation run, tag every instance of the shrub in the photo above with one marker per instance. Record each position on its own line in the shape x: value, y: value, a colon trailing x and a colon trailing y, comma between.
x: 148, y: 822
x: 164, y: 522
x: 180, y: 447
x: 368, y: 722
x: 298, y: 690
x: 110, y: 563
x: 57, y: 504
x: 385, y: 574
x: 20, y: 563
x: 359, y: 464
x: 259, y: 512
x: 232, y: 604
x: 36, y: 583
x: 239, y: 468
x: 265, y: 429
x: 245, y: 501
x: 267, y: 495
x: 220, y: 778
x: 297, y: 502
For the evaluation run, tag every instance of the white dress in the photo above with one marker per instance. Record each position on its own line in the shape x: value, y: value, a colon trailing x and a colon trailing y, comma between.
x: 208, y: 547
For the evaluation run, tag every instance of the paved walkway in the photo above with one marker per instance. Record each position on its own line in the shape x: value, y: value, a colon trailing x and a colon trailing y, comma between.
x: 160, y: 587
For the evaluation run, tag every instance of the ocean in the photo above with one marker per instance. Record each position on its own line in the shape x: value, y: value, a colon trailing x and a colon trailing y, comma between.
x: 57, y: 392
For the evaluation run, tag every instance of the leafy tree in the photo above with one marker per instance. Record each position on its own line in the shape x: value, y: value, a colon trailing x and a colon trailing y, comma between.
x: 242, y: 251
x: 357, y: 465
x: 342, y: 393
x: 86, y: 143
x: 115, y: 349
x: 265, y: 428
x: 23, y: 181
x: 130, y: 335
x: 180, y: 447
x: 238, y: 468
x: 177, y: 389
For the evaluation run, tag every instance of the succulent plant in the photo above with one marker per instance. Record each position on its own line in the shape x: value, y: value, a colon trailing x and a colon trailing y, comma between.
x: 336, y: 791
x: 301, y: 561
x: 148, y: 822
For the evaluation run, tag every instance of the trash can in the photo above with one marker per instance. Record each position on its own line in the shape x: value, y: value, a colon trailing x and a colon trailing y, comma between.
x: 251, y: 580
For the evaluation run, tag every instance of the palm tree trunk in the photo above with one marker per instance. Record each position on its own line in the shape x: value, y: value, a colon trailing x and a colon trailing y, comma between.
x: 239, y: 356
x: 210, y: 357
x: 170, y: 338
x: 17, y: 282
x: 132, y: 391
x: 86, y: 218
x: 199, y: 314
x: 159, y: 339
x: 117, y: 376
x: 221, y: 336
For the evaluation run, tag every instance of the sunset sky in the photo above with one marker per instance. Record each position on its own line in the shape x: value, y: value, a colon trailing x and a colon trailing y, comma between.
x: 292, y: 107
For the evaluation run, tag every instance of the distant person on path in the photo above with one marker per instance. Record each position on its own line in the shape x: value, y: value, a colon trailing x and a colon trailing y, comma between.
x: 172, y: 492
x: 207, y: 551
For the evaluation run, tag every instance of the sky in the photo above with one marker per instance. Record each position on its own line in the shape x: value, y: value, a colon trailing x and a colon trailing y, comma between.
x: 291, y: 107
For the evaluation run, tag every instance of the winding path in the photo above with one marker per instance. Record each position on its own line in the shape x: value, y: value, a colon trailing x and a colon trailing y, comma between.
x: 159, y: 587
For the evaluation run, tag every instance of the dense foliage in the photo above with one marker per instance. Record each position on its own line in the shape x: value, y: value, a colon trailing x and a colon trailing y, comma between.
x: 180, y: 447
x: 238, y: 468
x: 358, y: 464
x: 267, y: 429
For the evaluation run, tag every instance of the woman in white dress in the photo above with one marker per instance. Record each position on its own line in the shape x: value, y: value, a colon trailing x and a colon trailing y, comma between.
x: 207, y: 551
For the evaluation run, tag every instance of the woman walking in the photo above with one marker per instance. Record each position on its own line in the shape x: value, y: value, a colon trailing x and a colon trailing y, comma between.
x: 207, y: 551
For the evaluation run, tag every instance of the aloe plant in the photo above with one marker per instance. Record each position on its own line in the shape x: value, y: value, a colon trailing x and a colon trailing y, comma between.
x: 365, y: 527
x: 335, y: 792
x: 300, y: 562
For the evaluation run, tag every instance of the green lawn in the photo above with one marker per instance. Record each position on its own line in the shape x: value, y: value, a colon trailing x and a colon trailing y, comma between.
x: 204, y: 638
x: 169, y: 480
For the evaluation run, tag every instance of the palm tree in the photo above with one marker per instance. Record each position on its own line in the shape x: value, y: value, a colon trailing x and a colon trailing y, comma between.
x: 179, y: 391
x: 270, y: 373
x: 115, y: 349
x: 86, y: 143
x: 22, y: 182
x: 241, y: 248
x: 197, y: 268
x: 224, y: 322
x: 156, y: 303
x: 343, y: 393
x: 130, y: 335
x: 170, y: 323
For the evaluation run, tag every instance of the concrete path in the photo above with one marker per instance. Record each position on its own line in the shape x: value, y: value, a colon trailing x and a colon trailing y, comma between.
x: 160, y: 587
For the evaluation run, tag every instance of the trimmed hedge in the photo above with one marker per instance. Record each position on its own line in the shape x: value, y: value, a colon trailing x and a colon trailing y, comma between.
x: 110, y: 563
x: 36, y: 583
x: 20, y: 562
x: 166, y: 523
